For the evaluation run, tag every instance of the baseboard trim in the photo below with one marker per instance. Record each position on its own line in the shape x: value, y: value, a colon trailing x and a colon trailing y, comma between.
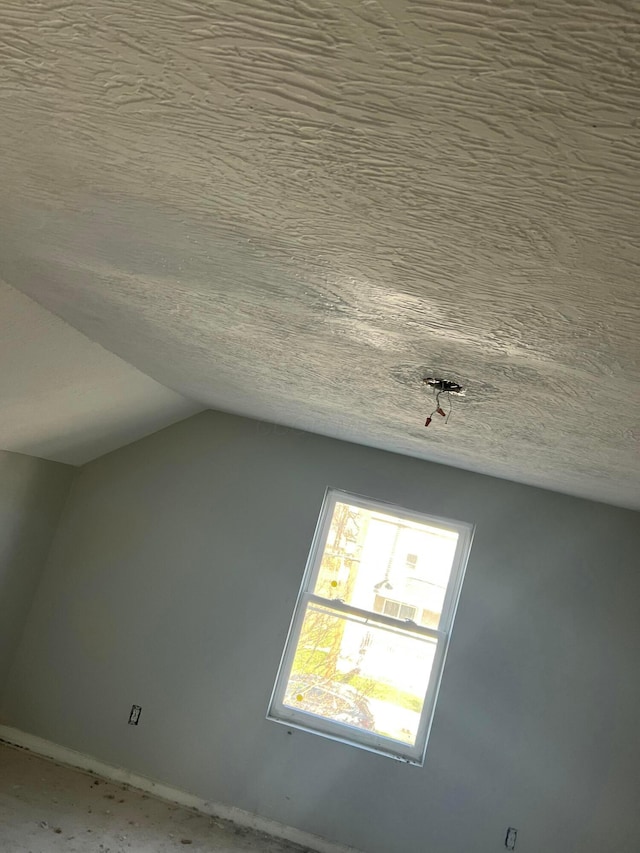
x: 71, y: 758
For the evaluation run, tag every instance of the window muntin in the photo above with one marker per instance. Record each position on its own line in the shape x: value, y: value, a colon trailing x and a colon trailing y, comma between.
x: 367, y: 644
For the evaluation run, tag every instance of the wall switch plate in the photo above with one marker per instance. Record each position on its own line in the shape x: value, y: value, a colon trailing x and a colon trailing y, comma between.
x: 510, y: 840
x: 134, y: 716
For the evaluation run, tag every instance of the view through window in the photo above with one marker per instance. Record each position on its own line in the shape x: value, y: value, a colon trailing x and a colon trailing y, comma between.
x: 368, y: 640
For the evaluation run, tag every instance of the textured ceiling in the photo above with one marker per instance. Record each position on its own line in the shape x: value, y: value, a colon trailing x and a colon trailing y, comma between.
x: 295, y: 210
x: 65, y: 398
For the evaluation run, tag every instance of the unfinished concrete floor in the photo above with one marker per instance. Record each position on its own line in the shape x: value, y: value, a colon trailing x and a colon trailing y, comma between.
x: 47, y: 808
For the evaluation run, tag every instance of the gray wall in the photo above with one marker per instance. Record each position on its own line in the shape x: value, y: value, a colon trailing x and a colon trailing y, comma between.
x: 32, y: 494
x: 171, y: 584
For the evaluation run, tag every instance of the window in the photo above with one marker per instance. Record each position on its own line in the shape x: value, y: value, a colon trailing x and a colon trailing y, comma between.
x: 368, y: 640
x: 400, y: 611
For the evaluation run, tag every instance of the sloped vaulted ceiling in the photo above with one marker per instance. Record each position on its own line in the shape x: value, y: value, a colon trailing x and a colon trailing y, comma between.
x: 64, y: 397
x: 295, y: 210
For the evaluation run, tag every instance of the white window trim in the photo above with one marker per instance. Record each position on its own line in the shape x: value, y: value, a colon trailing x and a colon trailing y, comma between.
x: 307, y: 721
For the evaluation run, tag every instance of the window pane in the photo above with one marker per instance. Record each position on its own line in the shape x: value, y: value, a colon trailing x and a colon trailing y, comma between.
x: 365, y: 675
x: 391, y: 608
x: 407, y: 612
x: 365, y: 561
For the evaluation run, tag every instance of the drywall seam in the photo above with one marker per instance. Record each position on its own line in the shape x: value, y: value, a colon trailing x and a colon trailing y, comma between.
x: 72, y: 758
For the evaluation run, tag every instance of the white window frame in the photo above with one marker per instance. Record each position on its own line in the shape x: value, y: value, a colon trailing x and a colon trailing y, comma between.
x: 307, y: 721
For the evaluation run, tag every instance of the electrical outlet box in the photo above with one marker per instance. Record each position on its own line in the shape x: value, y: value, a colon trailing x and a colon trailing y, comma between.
x: 134, y: 716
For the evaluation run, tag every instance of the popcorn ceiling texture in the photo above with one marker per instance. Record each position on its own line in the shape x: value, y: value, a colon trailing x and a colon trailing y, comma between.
x: 295, y: 210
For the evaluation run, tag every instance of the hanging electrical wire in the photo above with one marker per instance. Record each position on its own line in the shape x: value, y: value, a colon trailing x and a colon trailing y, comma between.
x: 440, y: 387
x: 437, y: 411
